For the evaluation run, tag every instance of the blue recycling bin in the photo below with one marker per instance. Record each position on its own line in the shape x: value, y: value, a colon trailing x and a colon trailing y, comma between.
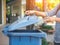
x: 23, y: 36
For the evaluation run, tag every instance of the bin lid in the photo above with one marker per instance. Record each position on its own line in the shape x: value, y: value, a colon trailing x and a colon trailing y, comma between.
x: 27, y: 20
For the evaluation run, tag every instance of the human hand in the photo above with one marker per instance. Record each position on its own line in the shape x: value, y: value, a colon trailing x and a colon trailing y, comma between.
x: 29, y: 12
x: 49, y: 19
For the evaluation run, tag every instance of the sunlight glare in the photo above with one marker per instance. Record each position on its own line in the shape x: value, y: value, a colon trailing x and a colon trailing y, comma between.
x: 38, y: 0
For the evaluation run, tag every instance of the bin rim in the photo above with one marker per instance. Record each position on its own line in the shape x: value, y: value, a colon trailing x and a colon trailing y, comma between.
x: 42, y: 34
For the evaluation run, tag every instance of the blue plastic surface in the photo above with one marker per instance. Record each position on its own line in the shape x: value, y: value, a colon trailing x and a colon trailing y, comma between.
x: 26, y: 38
x: 28, y: 20
x: 13, y: 40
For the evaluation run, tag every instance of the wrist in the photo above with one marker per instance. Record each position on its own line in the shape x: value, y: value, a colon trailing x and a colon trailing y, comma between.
x: 54, y: 18
x: 32, y: 12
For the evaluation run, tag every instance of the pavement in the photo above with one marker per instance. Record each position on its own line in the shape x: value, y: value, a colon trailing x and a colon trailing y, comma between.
x: 4, y: 40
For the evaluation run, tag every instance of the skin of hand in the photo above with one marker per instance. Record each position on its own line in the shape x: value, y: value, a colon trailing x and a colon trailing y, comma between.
x: 49, y: 19
x: 37, y: 13
x: 29, y: 12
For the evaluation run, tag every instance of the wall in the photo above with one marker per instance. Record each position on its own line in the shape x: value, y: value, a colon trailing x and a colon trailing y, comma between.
x: 30, y: 4
x: 0, y: 11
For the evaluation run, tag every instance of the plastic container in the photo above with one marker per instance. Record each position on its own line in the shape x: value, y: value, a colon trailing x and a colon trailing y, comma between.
x: 25, y: 37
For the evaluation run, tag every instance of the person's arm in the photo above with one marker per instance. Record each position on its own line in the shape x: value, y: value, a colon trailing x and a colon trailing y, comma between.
x: 44, y: 14
x: 52, y: 19
x: 57, y: 19
x: 38, y: 13
x: 50, y: 13
x: 54, y: 11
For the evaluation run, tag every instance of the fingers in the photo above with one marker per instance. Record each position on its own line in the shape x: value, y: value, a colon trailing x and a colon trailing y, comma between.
x: 47, y: 19
x: 29, y: 12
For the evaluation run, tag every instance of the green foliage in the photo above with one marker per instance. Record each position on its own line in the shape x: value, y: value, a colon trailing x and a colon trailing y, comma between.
x: 7, y: 0
x: 48, y: 27
x: 44, y: 42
